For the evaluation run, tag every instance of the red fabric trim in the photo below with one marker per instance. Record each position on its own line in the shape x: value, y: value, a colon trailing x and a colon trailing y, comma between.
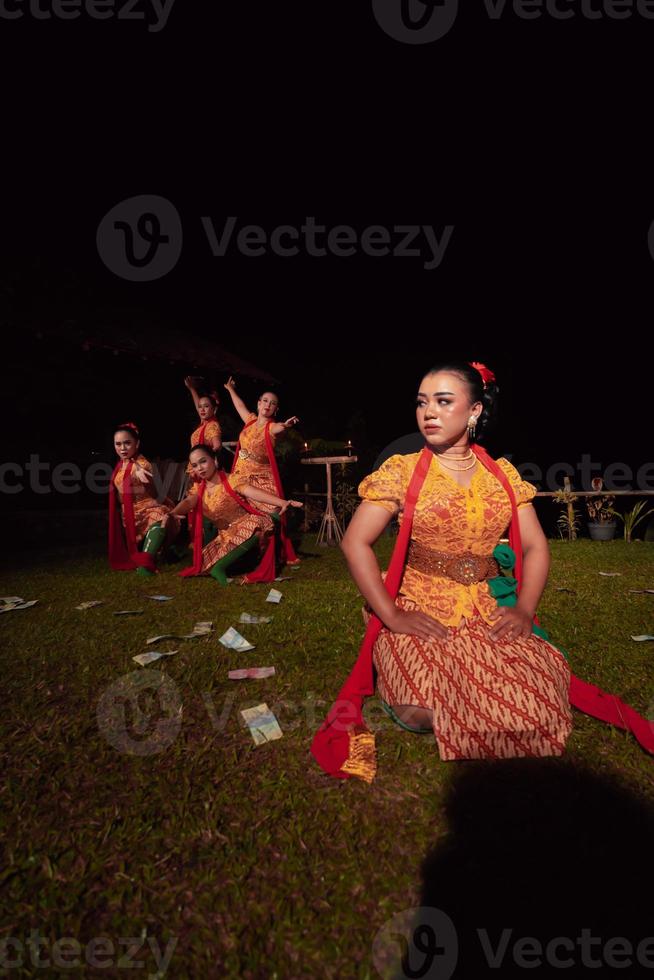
x: 124, y: 554
x: 330, y: 745
x: 196, y: 567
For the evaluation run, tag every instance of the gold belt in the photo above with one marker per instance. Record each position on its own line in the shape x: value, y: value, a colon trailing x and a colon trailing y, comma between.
x: 465, y: 568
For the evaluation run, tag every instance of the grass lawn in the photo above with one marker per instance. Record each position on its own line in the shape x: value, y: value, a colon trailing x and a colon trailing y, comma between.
x: 251, y: 860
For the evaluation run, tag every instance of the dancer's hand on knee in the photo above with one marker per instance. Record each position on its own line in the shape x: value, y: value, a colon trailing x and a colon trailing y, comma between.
x: 417, y: 624
x: 512, y: 624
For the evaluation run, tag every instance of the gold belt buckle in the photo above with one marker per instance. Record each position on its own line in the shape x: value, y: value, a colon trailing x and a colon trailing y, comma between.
x: 243, y: 454
x: 467, y: 568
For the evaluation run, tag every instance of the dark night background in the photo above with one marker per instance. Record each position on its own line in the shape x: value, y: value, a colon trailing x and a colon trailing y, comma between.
x: 530, y: 137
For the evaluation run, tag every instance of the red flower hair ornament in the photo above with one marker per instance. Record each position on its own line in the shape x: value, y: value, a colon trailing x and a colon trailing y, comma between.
x: 486, y: 373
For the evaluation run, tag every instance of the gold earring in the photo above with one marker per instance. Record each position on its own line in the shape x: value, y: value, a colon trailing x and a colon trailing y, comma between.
x: 472, y: 427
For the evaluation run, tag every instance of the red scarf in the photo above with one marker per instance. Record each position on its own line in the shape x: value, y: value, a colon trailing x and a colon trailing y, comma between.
x: 203, y: 429
x: 124, y: 554
x: 335, y: 743
x: 196, y: 567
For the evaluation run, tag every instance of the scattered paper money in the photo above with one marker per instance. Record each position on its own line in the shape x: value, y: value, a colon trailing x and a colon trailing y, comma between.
x: 233, y: 640
x: 640, y: 639
x: 147, y: 658
x: 10, y: 600
x: 10, y: 607
x: 274, y: 596
x: 200, y: 629
x: 90, y: 604
x: 254, y: 620
x: 255, y: 673
x: 610, y: 574
x: 283, y: 578
x: 641, y: 590
x: 203, y: 627
x: 262, y: 723
x: 129, y: 612
x: 159, y: 598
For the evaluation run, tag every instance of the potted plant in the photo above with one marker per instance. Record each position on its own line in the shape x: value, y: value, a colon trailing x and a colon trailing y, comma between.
x: 601, y: 523
x: 632, y: 518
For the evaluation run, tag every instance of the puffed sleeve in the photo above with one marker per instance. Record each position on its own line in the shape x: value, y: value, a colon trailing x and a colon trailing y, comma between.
x: 212, y: 430
x: 387, y: 486
x: 524, y: 492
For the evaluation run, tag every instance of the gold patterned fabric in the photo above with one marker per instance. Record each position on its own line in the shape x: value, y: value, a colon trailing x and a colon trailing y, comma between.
x: 235, y: 525
x: 252, y: 465
x: 147, y: 509
x: 449, y: 519
x: 489, y: 699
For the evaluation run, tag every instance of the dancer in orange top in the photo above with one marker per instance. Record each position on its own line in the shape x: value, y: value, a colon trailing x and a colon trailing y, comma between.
x: 456, y: 645
x: 232, y: 506
x: 132, y: 494
x: 206, y: 405
x: 255, y: 460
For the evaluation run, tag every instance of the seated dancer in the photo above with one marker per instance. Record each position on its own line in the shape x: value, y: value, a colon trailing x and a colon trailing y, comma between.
x: 454, y: 643
x: 254, y: 460
x: 142, y: 515
x: 222, y: 499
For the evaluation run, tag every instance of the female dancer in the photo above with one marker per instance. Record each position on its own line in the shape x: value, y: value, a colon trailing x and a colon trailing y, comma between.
x: 222, y: 500
x: 132, y: 493
x: 454, y: 642
x: 255, y: 460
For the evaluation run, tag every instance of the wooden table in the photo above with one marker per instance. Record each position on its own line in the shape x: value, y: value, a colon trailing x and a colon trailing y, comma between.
x: 330, y: 530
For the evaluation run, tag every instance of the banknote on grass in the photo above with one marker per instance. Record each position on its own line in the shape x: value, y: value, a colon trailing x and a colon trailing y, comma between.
x: 254, y: 620
x: 251, y: 673
x: 148, y: 658
x: 274, y: 596
x: 233, y: 640
x: 200, y: 629
x: 12, y: 606
x: 262, y: 723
